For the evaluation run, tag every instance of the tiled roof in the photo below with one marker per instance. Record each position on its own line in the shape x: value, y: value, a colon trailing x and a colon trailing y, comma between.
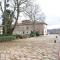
x: 28, y: 22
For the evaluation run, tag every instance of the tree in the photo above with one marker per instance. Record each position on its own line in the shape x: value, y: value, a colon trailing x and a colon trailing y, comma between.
x: 17, y: 7
x: 8, y: 23
x: 34, y: 12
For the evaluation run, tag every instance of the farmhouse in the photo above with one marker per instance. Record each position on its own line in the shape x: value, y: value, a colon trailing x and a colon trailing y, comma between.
x: 26, y: 26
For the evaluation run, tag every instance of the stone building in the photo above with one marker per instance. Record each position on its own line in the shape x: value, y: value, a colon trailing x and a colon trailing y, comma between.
x: 26, y: 26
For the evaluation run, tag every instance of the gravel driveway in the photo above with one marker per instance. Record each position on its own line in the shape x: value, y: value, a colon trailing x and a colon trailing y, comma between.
x: 37, y: 48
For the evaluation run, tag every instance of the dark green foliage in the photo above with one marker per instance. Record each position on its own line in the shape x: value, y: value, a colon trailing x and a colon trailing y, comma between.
x: 4, y: 38
x: 32, y: 34
x: 20, y: 36
x: 37, y: 33
x: 7, y: 23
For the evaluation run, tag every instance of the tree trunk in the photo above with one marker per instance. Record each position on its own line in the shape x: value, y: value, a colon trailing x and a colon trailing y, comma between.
x: 16, y: 17
x: 4, y: 19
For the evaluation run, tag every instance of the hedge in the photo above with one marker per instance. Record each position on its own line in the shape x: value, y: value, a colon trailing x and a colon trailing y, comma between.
x: 36, y: 33
x: 7, y: 38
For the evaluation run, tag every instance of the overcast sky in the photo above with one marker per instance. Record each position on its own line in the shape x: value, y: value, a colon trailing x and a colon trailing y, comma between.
x: 51, y: 8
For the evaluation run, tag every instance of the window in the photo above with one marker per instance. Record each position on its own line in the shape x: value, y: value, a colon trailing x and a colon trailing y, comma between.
x: 23, y: 32
x: 27, y: 27
x: 27, y: 32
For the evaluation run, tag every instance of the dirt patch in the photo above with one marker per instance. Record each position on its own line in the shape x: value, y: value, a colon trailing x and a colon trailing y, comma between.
x: 38, y: 48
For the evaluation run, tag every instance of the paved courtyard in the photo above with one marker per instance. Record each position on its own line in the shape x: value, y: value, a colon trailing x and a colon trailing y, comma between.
x: 37, y: 48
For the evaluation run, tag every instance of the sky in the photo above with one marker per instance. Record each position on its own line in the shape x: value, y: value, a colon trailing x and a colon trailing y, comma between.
x: 51, y: 8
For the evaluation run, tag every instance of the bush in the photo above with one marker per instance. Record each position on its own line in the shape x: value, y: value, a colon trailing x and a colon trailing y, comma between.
x: 7, y: 38
x: 32, y: 34
x: 24, y: 36
x: 20, y: 36
x: 37, y: 33
x: 4, y: 38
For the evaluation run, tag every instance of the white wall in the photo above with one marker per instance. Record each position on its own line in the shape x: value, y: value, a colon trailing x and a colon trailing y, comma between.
x: 45, y: 29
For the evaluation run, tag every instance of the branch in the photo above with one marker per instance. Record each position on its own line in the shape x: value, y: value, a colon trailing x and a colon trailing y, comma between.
x: 16, y: 17
x: 28, y: 14
x: 1, y: 9
x: 22, y: 2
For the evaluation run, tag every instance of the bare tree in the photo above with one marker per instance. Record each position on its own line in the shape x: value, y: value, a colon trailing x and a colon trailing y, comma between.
x: 33, y: 11
x: 17, y: 7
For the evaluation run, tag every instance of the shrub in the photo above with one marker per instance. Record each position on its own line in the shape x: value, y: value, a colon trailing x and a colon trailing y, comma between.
x: 7, y: 38
x: 24, y: 36
x: 32, y: 34
x: 20, y: 36
x: 37, y: 33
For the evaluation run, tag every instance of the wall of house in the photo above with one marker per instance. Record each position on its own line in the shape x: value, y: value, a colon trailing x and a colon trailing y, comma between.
x: 26, y: 29
x: 22, y: 30
x: 45, y: 29
x: 39, y: 28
